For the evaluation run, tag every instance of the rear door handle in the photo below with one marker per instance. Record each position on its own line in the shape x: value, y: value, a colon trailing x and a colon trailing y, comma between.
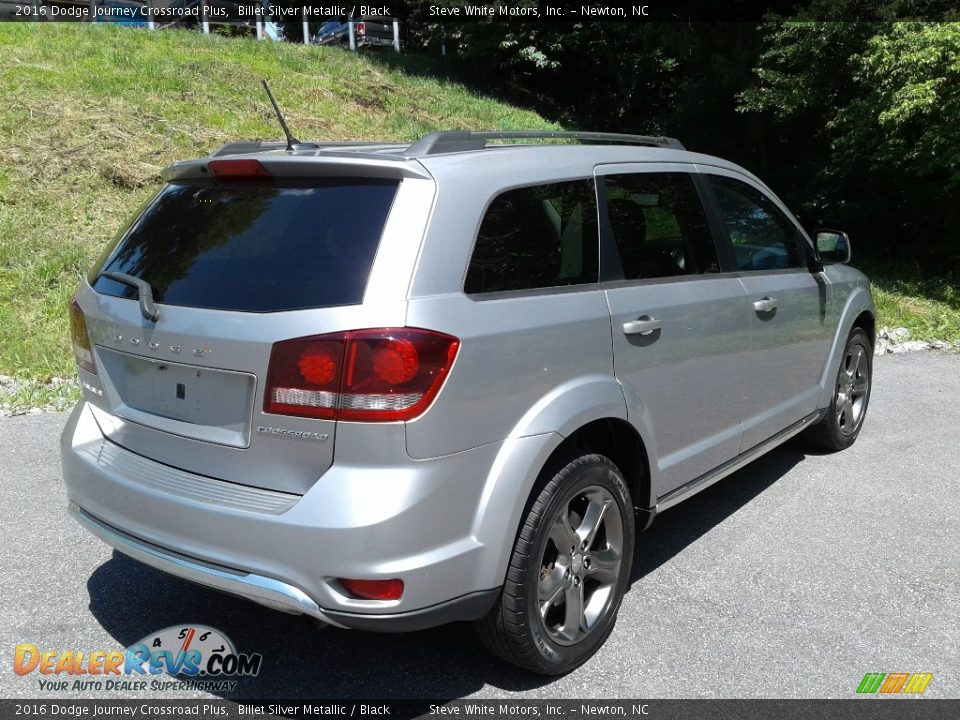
x: 765, y: 304
x: 643, y: 325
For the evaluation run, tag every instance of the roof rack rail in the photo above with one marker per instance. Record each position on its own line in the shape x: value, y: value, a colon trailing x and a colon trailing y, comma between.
x: 438, y: 143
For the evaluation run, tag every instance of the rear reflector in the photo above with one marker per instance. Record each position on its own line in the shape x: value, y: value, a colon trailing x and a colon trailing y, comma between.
x: 82, y: 350
x: 373, y: 589
x: 382, y: 375
x: 238, y: 169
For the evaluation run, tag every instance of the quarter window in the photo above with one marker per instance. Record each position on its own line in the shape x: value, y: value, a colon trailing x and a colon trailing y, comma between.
x: 763, y: 238
x: 537, y: 237
x: 659, y: 225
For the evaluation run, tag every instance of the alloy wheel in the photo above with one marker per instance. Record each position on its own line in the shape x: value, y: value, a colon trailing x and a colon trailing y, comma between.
x: 580, y: 565
x: 853, y: 384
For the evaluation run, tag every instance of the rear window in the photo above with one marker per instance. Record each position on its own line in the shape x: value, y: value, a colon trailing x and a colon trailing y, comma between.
x: 254, y: 247
x: 659, y: 225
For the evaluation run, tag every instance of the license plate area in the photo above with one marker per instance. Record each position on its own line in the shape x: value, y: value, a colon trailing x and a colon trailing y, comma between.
x: 196, y: 402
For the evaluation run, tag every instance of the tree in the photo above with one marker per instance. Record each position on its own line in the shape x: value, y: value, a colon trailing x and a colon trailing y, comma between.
x: 868, y: 111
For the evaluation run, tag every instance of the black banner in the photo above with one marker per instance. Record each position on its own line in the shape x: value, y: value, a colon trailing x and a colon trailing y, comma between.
x: 854, y: 709
x: 242, y: 12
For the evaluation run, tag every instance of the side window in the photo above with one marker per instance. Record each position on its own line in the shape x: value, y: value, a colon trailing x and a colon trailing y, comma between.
x: 659, y: 225
x: 537, y: 237
x: 762, y: 236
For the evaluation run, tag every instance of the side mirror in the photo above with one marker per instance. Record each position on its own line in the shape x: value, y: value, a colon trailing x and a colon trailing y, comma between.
x: 832, y: 247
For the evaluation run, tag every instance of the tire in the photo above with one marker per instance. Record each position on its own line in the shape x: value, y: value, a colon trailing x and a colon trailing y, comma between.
x: 841, y: 425
x: 586, y: 501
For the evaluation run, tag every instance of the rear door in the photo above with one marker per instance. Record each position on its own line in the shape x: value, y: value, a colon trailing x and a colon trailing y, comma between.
x: 234, y: 266
x: 680, y: 326
x: 789, y: 328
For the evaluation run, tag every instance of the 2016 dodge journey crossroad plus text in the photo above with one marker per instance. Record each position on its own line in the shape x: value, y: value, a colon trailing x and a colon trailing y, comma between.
x: 391, y: 386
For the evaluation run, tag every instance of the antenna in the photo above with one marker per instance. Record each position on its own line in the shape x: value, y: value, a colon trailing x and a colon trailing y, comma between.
x: 292, y: 142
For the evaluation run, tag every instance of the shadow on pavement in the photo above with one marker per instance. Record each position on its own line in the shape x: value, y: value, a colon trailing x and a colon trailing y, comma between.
x: 130, y: 600
x: 683, y: 524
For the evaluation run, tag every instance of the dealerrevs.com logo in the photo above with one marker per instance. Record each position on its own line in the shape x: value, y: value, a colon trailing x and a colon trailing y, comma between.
x: 199, y: 657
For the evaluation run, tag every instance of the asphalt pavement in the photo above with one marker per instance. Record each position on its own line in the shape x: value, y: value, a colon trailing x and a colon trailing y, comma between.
x: 790, y: 579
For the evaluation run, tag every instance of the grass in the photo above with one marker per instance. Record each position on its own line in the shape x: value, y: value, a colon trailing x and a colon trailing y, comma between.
x: 928, y: 306
x: 92, y: 113
x: 37, y: 394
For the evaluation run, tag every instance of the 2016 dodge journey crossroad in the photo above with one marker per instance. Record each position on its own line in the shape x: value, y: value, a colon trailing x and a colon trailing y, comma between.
x: 391, y: 386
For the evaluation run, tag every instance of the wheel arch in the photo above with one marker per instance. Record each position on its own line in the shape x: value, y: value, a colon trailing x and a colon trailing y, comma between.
x: 523, y: 466
x: 618, y: 440
x: 867, y: 322
x: 859, y: 311
x: 590, y: 414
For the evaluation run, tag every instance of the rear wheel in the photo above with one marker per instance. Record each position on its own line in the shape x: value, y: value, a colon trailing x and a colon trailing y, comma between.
x: 568, y: 572
x: 841, y: 425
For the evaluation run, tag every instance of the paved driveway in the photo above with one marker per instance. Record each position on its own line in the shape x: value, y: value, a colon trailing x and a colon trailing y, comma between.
x: 792, y: 578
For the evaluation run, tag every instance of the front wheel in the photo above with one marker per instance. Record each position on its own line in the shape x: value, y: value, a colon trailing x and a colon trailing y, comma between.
x: 841, y: 425
x: 568, y: 572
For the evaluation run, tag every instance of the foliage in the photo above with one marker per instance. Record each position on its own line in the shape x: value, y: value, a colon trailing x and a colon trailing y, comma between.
x: 929, y: 307
x: 878, y: 103
x: 852, y: 122
x: 908, y: 103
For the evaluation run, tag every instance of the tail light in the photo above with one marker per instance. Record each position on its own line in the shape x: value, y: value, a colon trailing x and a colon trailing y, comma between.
x: 373, y: 589
x: 82, y: 350
x: 239, y: 169
x: 361, y: 28
x: 382, y: 375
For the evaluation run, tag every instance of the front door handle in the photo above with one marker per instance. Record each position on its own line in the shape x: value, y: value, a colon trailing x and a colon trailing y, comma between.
x: 765, y: 304
x: 643, y: 325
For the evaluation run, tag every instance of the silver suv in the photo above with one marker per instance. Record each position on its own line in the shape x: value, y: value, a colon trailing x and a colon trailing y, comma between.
x: 391, y: 386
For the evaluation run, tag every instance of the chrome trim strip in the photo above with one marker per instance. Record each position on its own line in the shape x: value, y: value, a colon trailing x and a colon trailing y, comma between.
x: 263, y: 590
x: 731, y: 466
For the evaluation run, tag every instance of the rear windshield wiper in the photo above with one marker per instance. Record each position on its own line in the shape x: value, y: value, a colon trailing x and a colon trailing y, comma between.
x: 147, y: 308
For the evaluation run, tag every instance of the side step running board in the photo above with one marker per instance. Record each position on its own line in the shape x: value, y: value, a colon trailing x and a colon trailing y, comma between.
x: 731, y: 466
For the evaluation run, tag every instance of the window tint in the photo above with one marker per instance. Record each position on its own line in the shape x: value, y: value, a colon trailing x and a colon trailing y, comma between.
x: 252, y: 246
x: 659, y: 225
x: 537, y: 237
x: 762, y: 236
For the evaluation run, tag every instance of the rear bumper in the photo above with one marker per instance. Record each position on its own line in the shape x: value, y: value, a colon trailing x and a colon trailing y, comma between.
x: 279, y: 595
x: 411, y: 521
x: 266, y: 591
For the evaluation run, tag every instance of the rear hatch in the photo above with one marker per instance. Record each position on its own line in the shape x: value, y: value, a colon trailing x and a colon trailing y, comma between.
x: 234, y: 266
